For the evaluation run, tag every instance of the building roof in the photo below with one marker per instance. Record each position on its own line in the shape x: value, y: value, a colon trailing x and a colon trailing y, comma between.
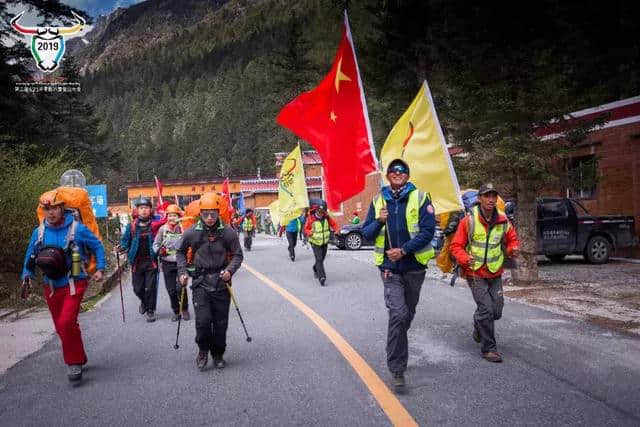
x: 186, y: 181
x: 309, y: 157
x: 270, y: 185
x: 623, y: 112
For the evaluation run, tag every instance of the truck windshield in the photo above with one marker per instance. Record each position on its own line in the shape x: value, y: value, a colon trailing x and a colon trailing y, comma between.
x: 553, y: 209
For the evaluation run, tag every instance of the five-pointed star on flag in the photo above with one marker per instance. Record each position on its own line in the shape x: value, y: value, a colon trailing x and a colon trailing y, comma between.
x: 340, y: 76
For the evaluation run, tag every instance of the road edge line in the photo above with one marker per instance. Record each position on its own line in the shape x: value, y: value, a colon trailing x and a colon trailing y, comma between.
x: 389, y: 403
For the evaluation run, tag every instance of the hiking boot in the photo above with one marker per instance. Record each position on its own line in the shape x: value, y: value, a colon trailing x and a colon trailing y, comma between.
x: 476, y: 336
x: 202, y: 359
x: 151, y: 316
x: 322, y: 280
x: 399, y: 383
x: 142, y: 309
x: 492, y: 356
x: 175, y: 317
x: 186, y: 315
x: 219, y: 362
x: 74, y: 373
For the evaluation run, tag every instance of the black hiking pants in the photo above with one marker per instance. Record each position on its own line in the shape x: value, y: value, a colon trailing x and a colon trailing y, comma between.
x: 170, y: 274
x: 145, y: 283
x: 212, y: 318
x: 248, y: 239
x: 292, y: 238
x: 319, y: 252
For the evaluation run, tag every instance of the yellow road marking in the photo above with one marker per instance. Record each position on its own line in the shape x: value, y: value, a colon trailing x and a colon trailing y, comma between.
x: 395, y: 411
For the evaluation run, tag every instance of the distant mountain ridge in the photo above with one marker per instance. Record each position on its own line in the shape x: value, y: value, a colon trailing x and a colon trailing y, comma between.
x: 141, y: 26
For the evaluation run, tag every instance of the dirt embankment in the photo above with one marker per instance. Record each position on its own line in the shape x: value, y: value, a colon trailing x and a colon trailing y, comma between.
x: 606, y: 295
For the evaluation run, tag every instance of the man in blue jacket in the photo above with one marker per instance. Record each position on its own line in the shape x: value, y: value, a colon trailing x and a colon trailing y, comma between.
x: 402, y: 221
x: 137, y: 240
x: 60, y: 246
x: 294, y: 227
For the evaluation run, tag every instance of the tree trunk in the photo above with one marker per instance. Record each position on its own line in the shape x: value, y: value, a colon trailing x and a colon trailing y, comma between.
x: 526, y: 270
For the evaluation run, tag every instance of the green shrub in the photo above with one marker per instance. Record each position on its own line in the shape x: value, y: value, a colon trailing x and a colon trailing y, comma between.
x: 21, y: 184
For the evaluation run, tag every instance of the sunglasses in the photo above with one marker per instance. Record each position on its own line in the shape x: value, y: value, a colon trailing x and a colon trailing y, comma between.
x: 208, y: 214
x: 398, y: 169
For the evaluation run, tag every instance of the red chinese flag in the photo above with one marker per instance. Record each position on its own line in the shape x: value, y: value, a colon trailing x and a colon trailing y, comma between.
x: 227, y: 194
x: 159, y: 190
x: 333, y: 118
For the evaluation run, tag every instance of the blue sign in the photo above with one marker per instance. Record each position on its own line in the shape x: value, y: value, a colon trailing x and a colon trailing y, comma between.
x: 98, y: 197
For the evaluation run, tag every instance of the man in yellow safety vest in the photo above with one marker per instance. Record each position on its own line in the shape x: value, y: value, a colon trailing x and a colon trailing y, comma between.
x: 483, y: 240
x: 402, y: 221
x: 318, y: 228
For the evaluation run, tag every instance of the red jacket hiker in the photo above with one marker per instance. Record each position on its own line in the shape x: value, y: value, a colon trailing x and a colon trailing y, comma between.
x: 461, y: 239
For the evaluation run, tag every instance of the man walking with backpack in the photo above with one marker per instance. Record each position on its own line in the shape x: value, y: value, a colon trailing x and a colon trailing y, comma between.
x: 59, y: 247
x: 249, y: 228
x: 402, y: 221
x: 318, y: 228
x: 137, y: 241
x: 216, y: 253
x: 482, y: 242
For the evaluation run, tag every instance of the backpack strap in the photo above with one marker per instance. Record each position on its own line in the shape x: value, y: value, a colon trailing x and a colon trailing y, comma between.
x: 71, y: 235
x: 40, y: 238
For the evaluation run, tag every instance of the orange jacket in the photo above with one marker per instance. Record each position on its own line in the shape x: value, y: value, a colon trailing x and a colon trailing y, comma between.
x: 459, y: 243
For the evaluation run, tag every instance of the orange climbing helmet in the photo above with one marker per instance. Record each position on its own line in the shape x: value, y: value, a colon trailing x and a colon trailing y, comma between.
x: 174, y: 209
x: 210, y: 201
x: 51, y: 198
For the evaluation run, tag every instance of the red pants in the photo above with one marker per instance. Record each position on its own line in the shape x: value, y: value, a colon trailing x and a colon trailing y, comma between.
x: 64, y: 310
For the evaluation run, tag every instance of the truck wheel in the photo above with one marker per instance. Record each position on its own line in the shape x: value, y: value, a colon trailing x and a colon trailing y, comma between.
x: 353, y: 241
x: 555, y: 258
x: 598, y: 250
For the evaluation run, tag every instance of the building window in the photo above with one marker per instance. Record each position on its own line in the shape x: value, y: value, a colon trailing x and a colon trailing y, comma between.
x: 582, y: 177
x: 193, y: 189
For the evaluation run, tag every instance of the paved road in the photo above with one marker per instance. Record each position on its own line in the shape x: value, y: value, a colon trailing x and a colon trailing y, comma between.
x: 556, y: 372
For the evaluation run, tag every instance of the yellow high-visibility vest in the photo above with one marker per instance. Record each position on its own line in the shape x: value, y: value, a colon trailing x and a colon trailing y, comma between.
x: 485, y: 249
x: 417, y: 198
x: 320, y: 232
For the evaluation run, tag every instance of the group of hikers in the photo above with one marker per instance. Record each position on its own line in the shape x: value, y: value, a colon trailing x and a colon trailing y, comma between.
x: 401, y: 221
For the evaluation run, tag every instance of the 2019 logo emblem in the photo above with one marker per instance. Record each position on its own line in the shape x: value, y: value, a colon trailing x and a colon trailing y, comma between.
x: 47, y: 43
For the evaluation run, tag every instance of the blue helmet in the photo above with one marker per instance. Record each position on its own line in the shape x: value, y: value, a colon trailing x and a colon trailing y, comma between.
x: 143, y: 201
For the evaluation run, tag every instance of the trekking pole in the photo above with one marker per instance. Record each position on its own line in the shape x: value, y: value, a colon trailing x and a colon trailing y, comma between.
x: 184, y: 289
x: 235, y: 304
x: 120, y: 283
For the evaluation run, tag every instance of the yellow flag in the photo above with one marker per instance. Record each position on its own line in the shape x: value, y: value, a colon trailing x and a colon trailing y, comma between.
x: 274, y: 212
x: 417, y: 139
x: 292, y: 188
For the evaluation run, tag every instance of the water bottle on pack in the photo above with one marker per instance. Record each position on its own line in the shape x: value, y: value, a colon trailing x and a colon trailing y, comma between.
x: 76, y: 261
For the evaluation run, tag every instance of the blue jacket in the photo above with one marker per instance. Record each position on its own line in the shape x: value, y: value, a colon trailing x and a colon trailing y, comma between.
x: 398, y: 232
x: 131, y: 244
x: 57, y: 236
x: 295, y: 225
